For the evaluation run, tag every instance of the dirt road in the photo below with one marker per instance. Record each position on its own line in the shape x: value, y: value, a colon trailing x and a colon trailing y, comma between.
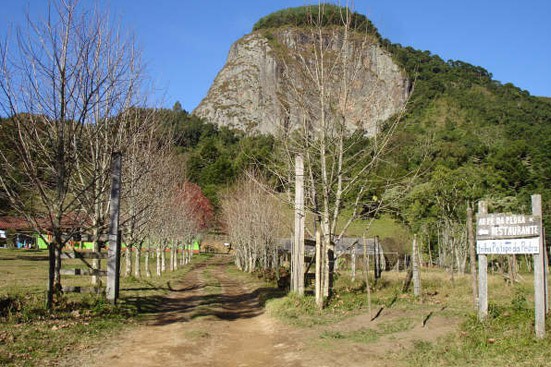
x: 213, y: 319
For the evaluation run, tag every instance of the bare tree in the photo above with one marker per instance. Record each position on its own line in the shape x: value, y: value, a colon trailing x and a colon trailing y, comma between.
x: 117, y: 124
x: 146, y: 148
x: 165, y: 181
x: 333, y: 122
x: 253, y: 219
x: 66, y: 76
x: 180, y: 212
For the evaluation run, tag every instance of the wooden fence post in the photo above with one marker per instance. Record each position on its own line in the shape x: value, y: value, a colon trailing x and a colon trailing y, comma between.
x: 376, y: 260
x: 546, y: 267
x: 539, y: 275
x: 113, y: 256
x: 353, y: 261
x: 415, y: 267
x: 297, y: 266
x: 482, y: 275
x: 472, y: 253
x: 366, y: 273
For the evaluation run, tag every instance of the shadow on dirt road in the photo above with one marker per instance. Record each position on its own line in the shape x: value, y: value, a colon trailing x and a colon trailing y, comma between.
x: 215, y: 296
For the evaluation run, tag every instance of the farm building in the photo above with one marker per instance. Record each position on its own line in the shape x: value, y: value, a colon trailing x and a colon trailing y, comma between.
x: 343, y: 249
x: 345, y: 246
x: 16, y: 232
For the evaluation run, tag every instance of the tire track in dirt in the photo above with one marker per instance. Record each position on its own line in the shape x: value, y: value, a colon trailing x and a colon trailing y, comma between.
x: 198, y: 327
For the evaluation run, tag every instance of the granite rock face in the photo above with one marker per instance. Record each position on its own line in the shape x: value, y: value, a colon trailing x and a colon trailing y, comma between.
x: 271, y: 79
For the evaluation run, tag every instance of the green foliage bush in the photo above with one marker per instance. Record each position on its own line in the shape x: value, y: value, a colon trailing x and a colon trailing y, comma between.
x: 307, y: 16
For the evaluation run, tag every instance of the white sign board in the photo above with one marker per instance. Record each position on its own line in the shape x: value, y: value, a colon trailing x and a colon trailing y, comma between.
x: 507, y: 234
x: 2, y: 234
x: 509, y: 246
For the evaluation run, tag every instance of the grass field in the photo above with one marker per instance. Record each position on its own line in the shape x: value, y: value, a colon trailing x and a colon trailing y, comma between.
x: 29, y: 335
x: 506, y: 338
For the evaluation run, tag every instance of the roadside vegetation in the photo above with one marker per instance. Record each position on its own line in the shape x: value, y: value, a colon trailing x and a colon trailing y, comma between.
x: 31, y: 335
x: 505, y: 338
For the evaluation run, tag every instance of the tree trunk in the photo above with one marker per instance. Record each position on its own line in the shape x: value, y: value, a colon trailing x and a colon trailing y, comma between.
x: 319, y: 266
x: 137, y: 268
x: 176, y: 262
x: 57, y: 272
x: 163, y: 260
x: 146, y: 262
x: 330, y: 270
x: 326, y: 266
x: 128, y: 260
x: 172, y: 260
x: 159, y: 267
x: 430, y: 253
x: 51, y: 276
x: 298, y: 243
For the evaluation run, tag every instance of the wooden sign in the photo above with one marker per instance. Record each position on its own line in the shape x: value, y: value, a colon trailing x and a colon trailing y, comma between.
x: 505, y: 226
x: 507, y: 234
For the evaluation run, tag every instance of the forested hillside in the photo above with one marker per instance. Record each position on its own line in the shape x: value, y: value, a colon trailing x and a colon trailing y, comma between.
x: 473, y: 138
x: 464, y: 136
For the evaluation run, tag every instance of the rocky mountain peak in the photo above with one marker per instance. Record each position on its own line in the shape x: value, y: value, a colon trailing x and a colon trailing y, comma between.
x: 272, y: 75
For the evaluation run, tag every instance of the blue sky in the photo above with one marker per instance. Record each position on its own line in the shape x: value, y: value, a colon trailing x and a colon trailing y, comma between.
x: 185, y: 42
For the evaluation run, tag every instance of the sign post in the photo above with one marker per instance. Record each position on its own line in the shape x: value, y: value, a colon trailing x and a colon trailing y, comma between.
x: 539, y: 274
x: 511, y: 234
x: 482, y: 274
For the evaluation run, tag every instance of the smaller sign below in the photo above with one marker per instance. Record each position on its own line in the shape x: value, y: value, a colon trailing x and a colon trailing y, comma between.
x: 508, y: 247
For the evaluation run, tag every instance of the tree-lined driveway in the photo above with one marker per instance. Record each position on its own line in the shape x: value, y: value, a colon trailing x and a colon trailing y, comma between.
x: 214, y: 317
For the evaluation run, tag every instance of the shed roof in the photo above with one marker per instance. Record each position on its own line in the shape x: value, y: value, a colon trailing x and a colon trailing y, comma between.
x: 14, y: 223
x: 69, y: 221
